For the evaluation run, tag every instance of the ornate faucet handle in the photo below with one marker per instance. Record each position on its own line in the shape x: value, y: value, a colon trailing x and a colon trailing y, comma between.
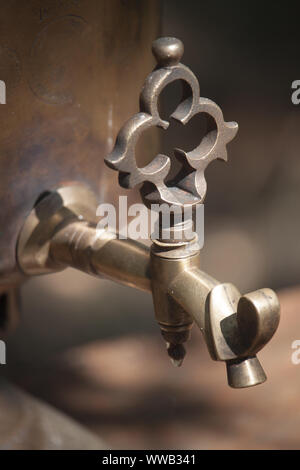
x: 189, y: 185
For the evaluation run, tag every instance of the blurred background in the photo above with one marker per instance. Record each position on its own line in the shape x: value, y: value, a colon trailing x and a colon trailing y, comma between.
x: 92, y: 349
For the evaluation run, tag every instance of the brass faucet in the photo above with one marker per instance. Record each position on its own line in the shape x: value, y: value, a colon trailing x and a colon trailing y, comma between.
x: 62, y: 231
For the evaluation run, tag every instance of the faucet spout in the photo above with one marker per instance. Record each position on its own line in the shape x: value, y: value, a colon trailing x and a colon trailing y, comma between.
x: 61, y: 231
x: 235, y: 327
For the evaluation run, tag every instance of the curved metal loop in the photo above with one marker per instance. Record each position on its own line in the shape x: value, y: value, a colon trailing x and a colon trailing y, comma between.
x: 159, y: 79
x: 189, y: 186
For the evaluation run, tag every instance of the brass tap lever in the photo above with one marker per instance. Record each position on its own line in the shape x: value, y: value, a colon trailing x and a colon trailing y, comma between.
x: 62, y: 231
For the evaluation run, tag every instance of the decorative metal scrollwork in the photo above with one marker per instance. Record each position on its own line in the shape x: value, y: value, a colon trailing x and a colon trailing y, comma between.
x: 189, y: 186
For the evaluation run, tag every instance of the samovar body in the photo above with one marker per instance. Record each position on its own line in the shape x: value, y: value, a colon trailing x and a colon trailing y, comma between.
x: 71, y: 69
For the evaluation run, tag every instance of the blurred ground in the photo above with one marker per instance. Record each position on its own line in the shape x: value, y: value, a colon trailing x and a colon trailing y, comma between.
x: 126, y: 390
x: 92, y: 348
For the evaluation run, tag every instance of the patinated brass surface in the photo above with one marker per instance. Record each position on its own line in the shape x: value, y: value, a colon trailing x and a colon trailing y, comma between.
x: 71, y: 70
x: 189, y: 185
x: 62, y: 231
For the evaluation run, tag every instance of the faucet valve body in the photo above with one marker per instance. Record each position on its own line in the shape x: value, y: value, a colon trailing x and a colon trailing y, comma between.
x: 235, y: 327
x: 167, y: 261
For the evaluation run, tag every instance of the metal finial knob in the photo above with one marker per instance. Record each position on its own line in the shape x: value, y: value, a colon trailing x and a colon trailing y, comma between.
x: 167, y: 51
x: 189, y: 185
